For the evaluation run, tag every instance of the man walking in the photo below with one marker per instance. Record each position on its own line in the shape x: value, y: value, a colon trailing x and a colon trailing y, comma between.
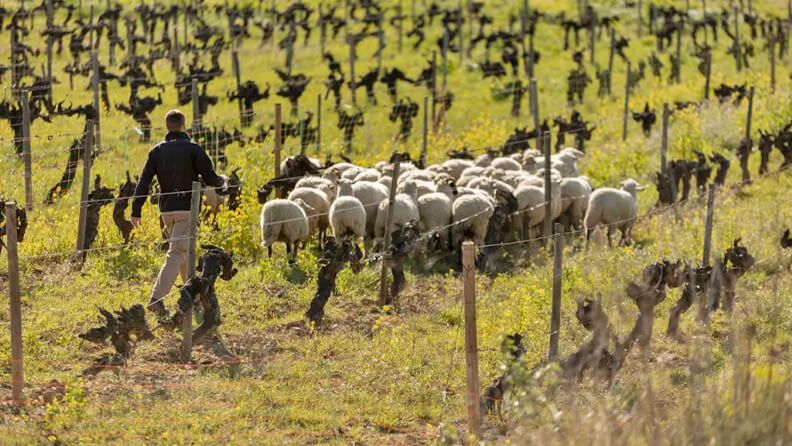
x: 176, y: 162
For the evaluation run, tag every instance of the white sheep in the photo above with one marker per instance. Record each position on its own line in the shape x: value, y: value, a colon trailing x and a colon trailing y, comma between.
x: 326, y: 185
x: 575, y: 194
x: 347, y: 215
x: 284, y: 221
x: 435, y: 212
x: 616, y: 208
x: 471, y: 214
x: 370, y: 195
x: 318, y: 220
x: 368, y: 175
x: 422, y: 187
x: 454, y: 167
x: 505, y: 163
x: 405, y: 209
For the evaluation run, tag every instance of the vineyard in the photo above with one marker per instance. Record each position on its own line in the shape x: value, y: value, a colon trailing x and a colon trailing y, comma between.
x: 573, y: 223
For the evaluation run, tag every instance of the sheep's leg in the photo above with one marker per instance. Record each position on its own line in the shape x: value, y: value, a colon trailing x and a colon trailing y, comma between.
x: 293, y: 252
x: 269, y: 251
x: 611, y: 230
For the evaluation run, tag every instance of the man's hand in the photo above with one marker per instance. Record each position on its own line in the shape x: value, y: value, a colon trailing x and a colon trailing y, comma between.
x: 135, y: 222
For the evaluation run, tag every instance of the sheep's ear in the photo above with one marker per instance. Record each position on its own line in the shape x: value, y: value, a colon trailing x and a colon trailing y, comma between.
x: 638, y: 187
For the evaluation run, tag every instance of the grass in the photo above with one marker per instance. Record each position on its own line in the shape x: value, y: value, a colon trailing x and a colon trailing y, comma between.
x: 397, y: 377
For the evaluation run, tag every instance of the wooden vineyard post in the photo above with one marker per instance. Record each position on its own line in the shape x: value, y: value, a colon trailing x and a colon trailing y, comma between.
x: 610, y: 58
x: 749, y: 118
x: 547, y: 227
x: 26, y: 155
x: 471, y: 339
x: 50, y: 41
x: 318, y: 123
x: 555, y: 313
x: 86, y: 185
x: 737, y: 45
x: 196, y: 107
x: 771, y: 44
x: 678, y: 74
x: 95, y: 82
x: 351, y: 42
x: 244, y: 121
x: 707, y: 74
x: 425, y: 141
x: 384, y: 298
x: 15, y: 305
x: 278, y: 140
x: 461, y: 42
x: 400, y: 24
x: 626, y: 113
x: 535, y: 111
x: 434, y: 92
x: 195, y: 210
x: 664, y: 140
x: 640, y: 17
x: 705, y: 261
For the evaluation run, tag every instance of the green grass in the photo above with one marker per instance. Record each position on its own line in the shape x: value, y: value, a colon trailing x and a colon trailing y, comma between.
x: 377, y: 377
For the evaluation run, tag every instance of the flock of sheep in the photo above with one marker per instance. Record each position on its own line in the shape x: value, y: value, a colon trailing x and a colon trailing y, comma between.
x: 451, y: 201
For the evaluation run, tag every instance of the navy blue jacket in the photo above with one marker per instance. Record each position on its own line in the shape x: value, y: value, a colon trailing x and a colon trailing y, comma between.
x: 176, y: 162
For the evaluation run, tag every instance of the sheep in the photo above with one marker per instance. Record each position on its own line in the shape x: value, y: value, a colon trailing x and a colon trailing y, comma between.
x: 370, y: 195
x: 284, y: 221
x: 616, y: 208
x: 336, y: 170
x: 416, y: 175
x: 422, y: 187
x: 328, y: 186
x: 347, y: 214
x: 575, y: 194
x: 471, y: 213
x: 435, y: 212
x: 505, y: 163
x: 318, y: 220
x: 454, y: 167
x: 530, y: 205
x: 368, y: 175
x: 405, y: 209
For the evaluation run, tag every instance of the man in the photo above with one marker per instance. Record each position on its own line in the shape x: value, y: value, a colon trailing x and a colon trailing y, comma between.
x: 176, y: 162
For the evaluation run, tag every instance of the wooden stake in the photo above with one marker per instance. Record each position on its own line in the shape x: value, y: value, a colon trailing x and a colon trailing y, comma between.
x: 425, y: 142
x: 235, y: 66
x: 610, y: 58
x: 535, y: 111
x: 749, y: 118
x: 708, y: 226
x: 15, y: 305
x: 471, y: 338
x: 555, y: 313
x: 26, y: 155
x: 196, y: 107
x: 384, y: 297
x: 708, y: 73
x: 97, y: 120
x: 352, y: 67
x: 434, y: 91
x: 318, y: 123
x: 737, y: 45
x: 547, y: 228
x: 664, y: 140
x: 626, y: 112
x: 400, y: 12
x: 772, y: 64
x: 195, y: 210
x: 640, y: 18
x: 678, y: 74
x: 86, y: 186
x: 278, y: 137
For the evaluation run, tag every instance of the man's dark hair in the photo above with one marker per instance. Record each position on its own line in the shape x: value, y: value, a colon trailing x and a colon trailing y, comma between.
x: 175, y: 120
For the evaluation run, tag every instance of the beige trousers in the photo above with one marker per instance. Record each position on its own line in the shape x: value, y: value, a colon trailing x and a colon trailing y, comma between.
x: 177, y: 227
